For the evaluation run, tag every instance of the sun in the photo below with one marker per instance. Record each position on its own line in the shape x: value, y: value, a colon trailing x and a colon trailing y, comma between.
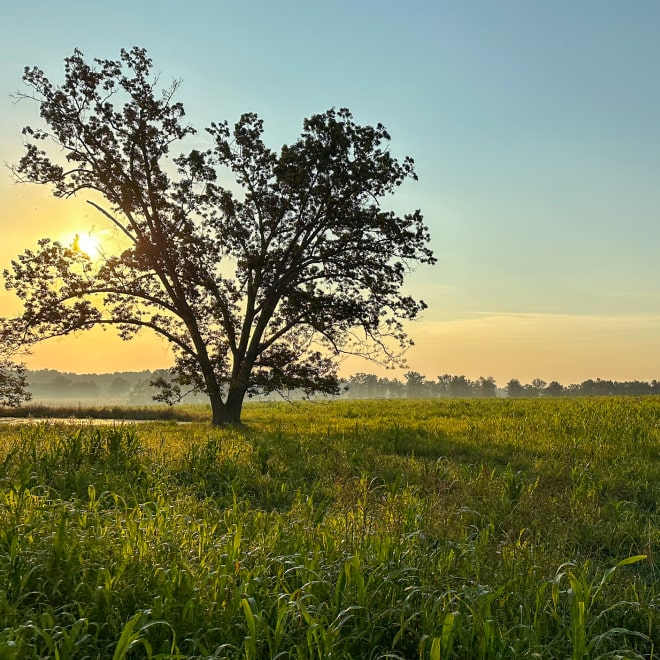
x: 87, y: 243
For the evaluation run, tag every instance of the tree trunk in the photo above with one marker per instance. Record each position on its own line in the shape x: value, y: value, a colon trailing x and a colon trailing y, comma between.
x: 217, y: 408
x: 234, y: 404
x: 228, y: 412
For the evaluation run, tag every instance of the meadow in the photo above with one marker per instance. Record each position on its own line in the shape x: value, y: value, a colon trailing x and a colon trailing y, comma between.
x: 426, y: 529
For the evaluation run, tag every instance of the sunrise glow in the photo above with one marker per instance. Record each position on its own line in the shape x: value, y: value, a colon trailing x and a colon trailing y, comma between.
x: 87, y: 243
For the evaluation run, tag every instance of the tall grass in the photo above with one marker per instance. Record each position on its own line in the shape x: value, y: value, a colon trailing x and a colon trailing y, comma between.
x: 404, y: 529
x: 45, y: 411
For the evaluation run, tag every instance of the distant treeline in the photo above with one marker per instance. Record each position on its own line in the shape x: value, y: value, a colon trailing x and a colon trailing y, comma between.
x: 125, y: 387
x: 416, y: 385
x: 134, y: 387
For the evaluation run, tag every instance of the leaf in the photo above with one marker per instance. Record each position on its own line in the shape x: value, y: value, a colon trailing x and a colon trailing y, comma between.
x: 127, y: 639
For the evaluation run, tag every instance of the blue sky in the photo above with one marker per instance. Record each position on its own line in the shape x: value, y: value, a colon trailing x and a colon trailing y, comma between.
x: 535, y: 127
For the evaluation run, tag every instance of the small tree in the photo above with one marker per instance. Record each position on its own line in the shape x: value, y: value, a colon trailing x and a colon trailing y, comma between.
x: 13, y: 382
x: 13, y: 377
x: 257, y: 288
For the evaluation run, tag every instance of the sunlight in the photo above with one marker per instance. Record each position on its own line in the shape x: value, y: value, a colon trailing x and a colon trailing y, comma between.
x: 87, y: 243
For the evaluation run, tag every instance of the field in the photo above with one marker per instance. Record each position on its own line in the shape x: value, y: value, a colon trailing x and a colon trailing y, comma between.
x: 380, y: 529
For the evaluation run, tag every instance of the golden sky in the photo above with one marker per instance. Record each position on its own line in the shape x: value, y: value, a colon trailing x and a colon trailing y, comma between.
x: 534, y: 130
x: 564, y: 347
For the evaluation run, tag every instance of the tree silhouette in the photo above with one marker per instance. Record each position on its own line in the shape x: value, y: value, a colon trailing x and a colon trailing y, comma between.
x: 417, y: 386
x: 487, y: 387
x: 514, y: 389
x: 554, y: 389
x: 258, y: 286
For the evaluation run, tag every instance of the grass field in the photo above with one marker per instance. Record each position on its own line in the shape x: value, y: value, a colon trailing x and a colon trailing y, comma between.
x: 379, y: 529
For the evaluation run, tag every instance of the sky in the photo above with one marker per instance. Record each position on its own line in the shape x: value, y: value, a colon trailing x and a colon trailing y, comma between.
x: 534, y: 126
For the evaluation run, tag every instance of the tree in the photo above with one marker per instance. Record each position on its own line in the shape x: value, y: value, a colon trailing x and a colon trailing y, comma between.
x: 13, y: 377
x: 514, y: 389
x: 363, y: 386
x: 487, y: 387
x: 119, y: 386
x: 460, y: 387
x: 13, y: 383
x: 416, y: 385
x: 554, y: 389
x: 442, y: 385
x: 536, y: 388
x: 259, y: 287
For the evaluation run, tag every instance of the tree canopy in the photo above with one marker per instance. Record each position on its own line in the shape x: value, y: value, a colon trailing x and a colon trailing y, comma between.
x: 260, y: 267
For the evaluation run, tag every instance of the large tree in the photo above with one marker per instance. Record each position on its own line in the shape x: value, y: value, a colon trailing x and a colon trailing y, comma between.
x: 258, y: 284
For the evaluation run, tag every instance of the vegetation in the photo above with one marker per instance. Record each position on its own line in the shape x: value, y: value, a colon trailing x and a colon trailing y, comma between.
x: 113, y: 413
x: 378, y: 529
x: 416, y: 385
x: 119, y: 388
x: 13, y: 378
x: 258, y: 285
x: 13, y: 383
x: 83, y: 394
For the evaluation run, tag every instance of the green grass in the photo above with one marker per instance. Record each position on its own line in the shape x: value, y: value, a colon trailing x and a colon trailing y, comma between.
x: 382, y: 529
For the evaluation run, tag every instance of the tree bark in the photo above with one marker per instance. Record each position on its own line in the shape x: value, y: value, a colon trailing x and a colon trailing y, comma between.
x: 217, y: 408
x: 234, y: 404
x: 229, y: 411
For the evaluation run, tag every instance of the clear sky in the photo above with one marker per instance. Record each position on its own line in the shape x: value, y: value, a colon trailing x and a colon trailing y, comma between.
x: 535, y: 128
